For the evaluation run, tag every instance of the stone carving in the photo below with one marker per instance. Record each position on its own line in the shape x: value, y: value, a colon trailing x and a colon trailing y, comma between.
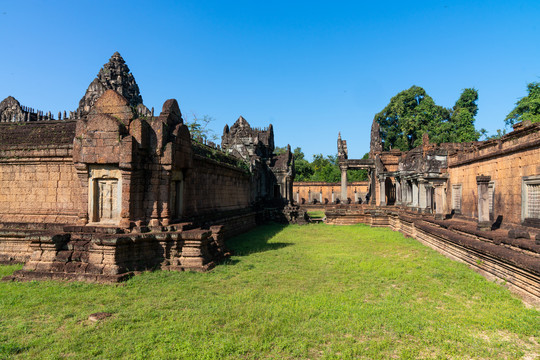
x: 10, y: 110
x: 114, y: 75
x: 376, y: 141
x: 342, y: 148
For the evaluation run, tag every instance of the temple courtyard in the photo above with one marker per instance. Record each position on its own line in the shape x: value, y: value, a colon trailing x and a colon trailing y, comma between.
x: 310, y: 292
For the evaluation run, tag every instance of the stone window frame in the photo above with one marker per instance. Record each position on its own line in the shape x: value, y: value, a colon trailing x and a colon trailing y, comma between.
x: 457, y: 187
x: 526, y: 182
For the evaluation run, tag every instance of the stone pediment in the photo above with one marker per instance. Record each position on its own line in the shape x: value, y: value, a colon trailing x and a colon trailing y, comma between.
x: 113, y: 105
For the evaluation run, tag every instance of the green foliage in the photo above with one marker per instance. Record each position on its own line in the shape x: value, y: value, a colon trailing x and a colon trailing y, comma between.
x: 325, y: 169
x: 296, y: 292
x: 462, y: 118
x: 527, y: 108
x: 198, y: 127
x: 280, y: 150
x: 412, y: 112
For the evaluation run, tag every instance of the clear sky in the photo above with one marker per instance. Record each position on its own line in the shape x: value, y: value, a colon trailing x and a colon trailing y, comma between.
x: 310, y: 68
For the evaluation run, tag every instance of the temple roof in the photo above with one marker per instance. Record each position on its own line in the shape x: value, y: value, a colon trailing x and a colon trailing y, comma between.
x: 36, y: 133
x: 114, y: 75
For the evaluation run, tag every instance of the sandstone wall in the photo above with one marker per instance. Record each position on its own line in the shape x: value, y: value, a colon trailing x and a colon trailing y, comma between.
x: 312, y: 190
x: 212, y: 186
x: 507, y: 161
x: 38, y: 186
x: 38, y: 182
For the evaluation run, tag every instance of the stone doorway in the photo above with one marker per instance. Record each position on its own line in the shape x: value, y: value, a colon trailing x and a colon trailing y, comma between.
x: 106, y: 199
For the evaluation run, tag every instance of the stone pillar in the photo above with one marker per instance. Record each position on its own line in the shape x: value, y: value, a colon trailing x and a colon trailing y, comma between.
x: 82, y: 174
x: 154, y: 197
x: 343, y: 183
x: 428, y: 198
x: 414, y: 193
x: 422, y: 196
x: 289, y: 189
x: 398, y: 191
x: 125, y: 212
x: 382, y: 202
x: 165, y: 197
x: 483, y: 202
x: 372, y: 192
x: 439, y: 201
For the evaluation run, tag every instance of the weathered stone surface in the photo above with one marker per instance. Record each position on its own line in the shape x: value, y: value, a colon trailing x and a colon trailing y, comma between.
x: 115, y: 75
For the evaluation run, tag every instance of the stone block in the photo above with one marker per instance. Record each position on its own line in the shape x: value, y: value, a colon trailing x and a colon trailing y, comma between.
x: 518, y: 234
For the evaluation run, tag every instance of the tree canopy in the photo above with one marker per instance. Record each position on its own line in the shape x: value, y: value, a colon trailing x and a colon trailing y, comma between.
x: 412, y: 112
x: 527, y: 108
x: 323, y: 168
x: 198, y: 128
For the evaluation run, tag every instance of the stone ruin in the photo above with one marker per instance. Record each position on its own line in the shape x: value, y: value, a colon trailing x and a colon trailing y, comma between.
x: 114, y: 75
x: 113, y: 189
x: 477, y: 202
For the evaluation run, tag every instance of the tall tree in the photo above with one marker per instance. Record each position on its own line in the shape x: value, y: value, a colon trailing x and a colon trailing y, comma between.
x: 412, y: 112
x: 527, y: 108
x: 462, y: 118
x: 302, y: 168
x: 407, y: 117
x: 198, y: 127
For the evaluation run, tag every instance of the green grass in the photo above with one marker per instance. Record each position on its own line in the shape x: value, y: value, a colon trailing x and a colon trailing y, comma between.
x: 312, y: 291
x: 317, y: 214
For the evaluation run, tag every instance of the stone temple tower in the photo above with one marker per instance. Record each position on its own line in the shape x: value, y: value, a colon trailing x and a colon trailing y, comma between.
x: 114, y: 75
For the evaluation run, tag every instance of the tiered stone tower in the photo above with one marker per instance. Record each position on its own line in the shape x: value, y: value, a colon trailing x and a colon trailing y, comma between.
x: 114, y: 75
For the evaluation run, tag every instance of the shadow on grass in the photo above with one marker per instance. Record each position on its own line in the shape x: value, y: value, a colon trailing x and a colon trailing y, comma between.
x: 255, y: 241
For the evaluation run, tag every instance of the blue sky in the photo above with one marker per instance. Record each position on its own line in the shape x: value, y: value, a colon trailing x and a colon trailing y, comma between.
x: 310, y: 68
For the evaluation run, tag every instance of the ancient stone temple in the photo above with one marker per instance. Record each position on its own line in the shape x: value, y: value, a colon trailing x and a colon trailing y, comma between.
x: 476, y: 202
x: 114, y: 189
x: 114, y: 75
x: 272, y: 174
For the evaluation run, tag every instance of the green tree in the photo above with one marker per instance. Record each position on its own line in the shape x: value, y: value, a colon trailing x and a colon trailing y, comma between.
x: 280, y: 150
x: 358, y: 175
x: 407, y: 117
x: 302, y: 168
x: 462, y: 118
x: 412, y: 112
x: 198, y: 127
x: 527, y: 108
x: 325, y: 168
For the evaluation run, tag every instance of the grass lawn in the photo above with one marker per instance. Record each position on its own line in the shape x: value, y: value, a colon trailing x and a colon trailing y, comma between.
x: 316, y: 214
x: 313, y: 291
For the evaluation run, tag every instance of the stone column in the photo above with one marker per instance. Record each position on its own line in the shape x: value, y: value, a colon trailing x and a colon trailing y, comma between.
x: 82, y: 174
x: 126, y: 213
x: 372, y: 192
x: 382, y: 202
x: 428, y: 198
x: 165, y: 196
x: 422, y: 196
x: 439, y: 201
x: 483, y: 202
x: 398, y: 191
x: 343, y: 183
x: 414, y: 193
